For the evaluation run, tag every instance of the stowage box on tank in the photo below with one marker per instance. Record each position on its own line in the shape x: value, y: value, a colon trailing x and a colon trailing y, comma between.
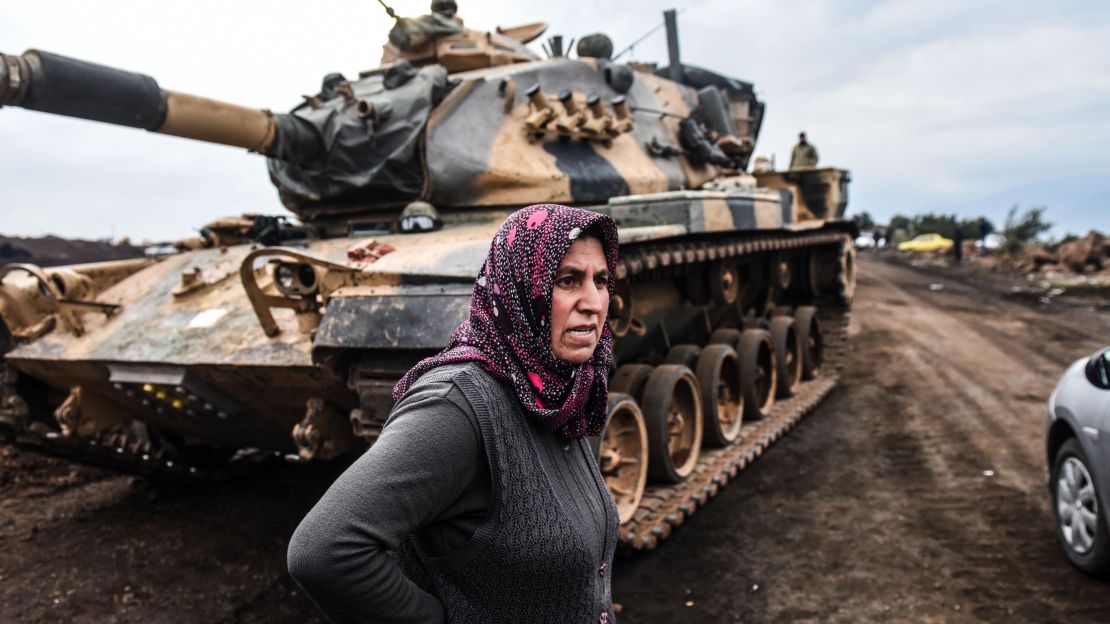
x: 265, y: 336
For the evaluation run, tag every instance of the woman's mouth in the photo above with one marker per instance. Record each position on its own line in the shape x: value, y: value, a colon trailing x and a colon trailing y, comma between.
x: 584, y: 334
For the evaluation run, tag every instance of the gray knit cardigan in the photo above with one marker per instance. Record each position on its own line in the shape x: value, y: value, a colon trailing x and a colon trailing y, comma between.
x: 465, y: 510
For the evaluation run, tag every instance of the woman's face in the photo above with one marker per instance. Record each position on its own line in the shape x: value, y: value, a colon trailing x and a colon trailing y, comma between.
x: 579, y: 301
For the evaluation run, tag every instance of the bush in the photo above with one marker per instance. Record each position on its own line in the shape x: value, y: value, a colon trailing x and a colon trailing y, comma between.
x: 1053, y: 245
x: 933, y: 223
x: 864, y: 222
x: 900, y: 222
x: 1021, y: 230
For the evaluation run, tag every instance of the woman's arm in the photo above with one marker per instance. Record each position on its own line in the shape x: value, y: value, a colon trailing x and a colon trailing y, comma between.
x: 427, y: 457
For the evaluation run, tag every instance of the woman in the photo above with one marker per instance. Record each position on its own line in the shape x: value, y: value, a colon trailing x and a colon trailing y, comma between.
x: 482, y: 484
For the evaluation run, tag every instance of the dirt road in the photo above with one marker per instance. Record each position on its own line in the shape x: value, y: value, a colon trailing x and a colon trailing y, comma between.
x: 916, y: 493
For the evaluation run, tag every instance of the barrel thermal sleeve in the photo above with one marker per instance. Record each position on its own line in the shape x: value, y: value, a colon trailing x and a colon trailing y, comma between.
x: 76, y: 88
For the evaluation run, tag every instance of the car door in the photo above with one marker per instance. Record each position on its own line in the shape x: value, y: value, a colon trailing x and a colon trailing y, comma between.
x: 1101, y: 461
x: 1093, y: 418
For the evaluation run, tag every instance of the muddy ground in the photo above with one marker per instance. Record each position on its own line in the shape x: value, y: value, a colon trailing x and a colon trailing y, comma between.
x: 915, y: 493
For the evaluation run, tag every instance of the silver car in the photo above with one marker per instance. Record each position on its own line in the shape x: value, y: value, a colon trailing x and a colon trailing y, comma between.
x: 1077, y: 432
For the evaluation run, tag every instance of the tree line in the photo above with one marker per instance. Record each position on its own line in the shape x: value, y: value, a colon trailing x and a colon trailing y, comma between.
x: 1021, y: 228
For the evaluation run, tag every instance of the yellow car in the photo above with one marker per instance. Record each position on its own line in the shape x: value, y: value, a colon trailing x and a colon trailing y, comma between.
x: 926, y: 242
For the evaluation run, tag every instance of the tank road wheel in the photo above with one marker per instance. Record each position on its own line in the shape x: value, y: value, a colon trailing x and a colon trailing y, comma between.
x: 672, y: 411
x: 718, y: 375
x: 724, y: 283
x: 631, y: 379
x: 623, y: 456
x: 809, y: 335
x: 757, y: 372
x: 835, y: 271
x: 620, y: 311
x: 846, y: 284
x: 684, y: 354
x: 788, y: 355
x: 727, y: 336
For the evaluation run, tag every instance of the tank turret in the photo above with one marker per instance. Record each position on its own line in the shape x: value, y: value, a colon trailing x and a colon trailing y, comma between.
x: 510, y: 130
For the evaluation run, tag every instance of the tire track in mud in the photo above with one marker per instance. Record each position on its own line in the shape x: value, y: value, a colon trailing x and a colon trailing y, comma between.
x: 953, y: 510
x: 1062, y: 329
x: 996, y: 529
x: 989, y: 394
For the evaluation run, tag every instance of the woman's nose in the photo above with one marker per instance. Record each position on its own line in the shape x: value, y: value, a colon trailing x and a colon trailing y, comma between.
x: 590, y: 302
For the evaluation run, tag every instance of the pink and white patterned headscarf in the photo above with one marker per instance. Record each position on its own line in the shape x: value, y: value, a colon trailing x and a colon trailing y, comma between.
x: 508, y: 331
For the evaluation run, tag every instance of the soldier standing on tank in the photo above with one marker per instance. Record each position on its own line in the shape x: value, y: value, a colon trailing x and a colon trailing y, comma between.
x: 448, y: 9
x: 804, y: 154
x: 412, y: 34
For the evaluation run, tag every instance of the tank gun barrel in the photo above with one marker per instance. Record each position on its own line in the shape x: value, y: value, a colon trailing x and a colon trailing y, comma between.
x: 52, y: 83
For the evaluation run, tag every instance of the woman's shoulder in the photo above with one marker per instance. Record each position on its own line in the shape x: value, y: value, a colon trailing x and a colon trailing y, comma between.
x: 439, y: 394
x: 462, y: 376
x: 466, y: 385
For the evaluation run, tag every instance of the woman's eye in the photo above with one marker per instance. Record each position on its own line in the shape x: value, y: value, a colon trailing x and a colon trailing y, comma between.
x: 566, y: 281
x: 601, y: 280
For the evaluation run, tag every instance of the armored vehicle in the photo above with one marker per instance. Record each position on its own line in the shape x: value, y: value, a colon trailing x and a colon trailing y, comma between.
x: 280, y: 337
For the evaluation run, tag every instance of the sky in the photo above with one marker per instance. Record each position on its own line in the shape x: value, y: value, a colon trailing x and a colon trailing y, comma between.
x: 935, y: 106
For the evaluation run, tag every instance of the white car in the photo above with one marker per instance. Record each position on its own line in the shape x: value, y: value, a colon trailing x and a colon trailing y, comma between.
x: 1077, y: 433
x: 865, y: 241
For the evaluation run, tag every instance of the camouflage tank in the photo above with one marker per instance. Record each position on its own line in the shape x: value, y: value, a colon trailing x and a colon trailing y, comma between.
x: 268, y: 337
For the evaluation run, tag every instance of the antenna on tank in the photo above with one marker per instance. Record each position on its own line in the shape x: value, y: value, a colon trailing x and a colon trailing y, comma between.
x: 554, y: 45
x: 640, y: 39
x: 388, y: 9
x: 670, y: 18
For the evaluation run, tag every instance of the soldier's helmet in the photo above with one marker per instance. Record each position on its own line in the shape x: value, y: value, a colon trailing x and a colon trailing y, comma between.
x: 446, y: 8
x: 596, y: 45
x: 420, y: 216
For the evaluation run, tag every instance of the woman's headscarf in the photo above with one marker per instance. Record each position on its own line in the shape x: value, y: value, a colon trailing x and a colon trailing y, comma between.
x: 508, y: 331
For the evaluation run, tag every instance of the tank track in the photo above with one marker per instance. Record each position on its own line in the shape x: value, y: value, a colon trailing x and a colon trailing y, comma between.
x: 664, y: 508
x: 640, y: 258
